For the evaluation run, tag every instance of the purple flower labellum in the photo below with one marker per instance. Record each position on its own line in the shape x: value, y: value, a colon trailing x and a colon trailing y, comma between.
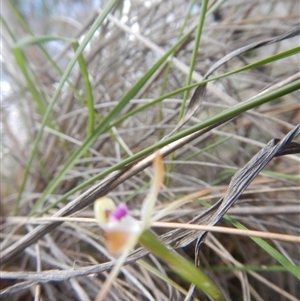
x: 119, y: 212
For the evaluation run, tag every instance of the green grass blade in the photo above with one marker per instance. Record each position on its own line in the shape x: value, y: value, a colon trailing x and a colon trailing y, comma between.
x: 191, y: 70
x: 294, y: 270
x: 286, y: 264
x: 210, y: 146
x: 254, y: 268
x: 195, y: 52
x: 88, y: 90
x: 38, y: 40
x: 181, y: 266
x: 161, y: 276
x: 281, y: 176
x: 23, y: 66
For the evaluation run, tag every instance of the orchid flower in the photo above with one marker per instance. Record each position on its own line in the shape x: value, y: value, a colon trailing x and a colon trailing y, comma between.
x: 117, y: 225
x: 121, y: 231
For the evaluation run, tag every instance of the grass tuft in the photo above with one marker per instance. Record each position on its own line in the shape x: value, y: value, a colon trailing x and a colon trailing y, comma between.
x: 90, y: 93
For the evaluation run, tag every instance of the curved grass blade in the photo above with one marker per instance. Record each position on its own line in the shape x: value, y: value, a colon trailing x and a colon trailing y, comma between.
x: 21, y: 61
x: 63, y: 79
x: 89, y: 102
x: 48, y: 57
